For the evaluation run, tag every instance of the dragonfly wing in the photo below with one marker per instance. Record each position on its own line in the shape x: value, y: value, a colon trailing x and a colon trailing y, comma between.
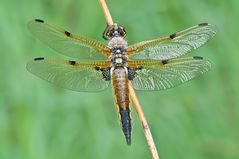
x: 77, y: 76
x: 67, y: 43
x: 172, y: 46
x: 161, y: 75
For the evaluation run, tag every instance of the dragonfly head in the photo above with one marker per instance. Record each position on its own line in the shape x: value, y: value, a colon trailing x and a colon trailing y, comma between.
x: 114, y: 30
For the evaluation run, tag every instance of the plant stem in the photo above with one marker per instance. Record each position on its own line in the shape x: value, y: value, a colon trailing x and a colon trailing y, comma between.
x: 133, y: 96
x: 106, y: 11
x: 144, y: 123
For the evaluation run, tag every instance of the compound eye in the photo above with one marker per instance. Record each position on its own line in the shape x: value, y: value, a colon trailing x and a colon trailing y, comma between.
x: 124, y: 31
x: 121, y: 33
x: 111, y: 33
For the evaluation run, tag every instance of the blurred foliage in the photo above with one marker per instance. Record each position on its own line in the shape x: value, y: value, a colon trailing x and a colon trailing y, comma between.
x: 197, y: 120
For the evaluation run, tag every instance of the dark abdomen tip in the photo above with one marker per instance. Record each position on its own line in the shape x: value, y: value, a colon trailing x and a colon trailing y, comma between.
x: 126, y: 124
x: 128, y: 140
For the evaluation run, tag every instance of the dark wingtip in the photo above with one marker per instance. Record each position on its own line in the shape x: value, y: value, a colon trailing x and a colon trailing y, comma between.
x: 197, y: 57
x: 203, y: 24
x: 39, y: 20
x: 38, y: 58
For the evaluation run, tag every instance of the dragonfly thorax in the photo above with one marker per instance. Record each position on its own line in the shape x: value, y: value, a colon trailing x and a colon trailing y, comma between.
x: 118, y: 46
x: 117, y: 43
x: 118, y: 59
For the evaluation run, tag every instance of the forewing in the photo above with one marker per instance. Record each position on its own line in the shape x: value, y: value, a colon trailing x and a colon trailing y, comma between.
x: 172, y: 46
x: 77, y: 76
x: 161, y: 75
x: 67, y: 43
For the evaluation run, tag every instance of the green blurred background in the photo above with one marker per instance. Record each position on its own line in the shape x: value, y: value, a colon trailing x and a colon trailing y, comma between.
x: 197, y: 120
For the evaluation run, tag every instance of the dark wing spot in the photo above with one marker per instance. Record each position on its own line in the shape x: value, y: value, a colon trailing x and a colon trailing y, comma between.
x: 164, y: 62
x: 67, y: 33
x: 172, y: 36
x: 72, y: 62
x: 39, y: 20
x: 140, y: 67
x: 203, y: 24
x: 106, y: 73
x: 97, y: 68
x: 197, y: 57
x: 131, y: 73
x: 38, y: 58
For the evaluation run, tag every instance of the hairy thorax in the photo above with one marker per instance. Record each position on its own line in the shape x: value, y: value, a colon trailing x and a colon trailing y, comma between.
x: 118, y: 46
x: 117, y: 42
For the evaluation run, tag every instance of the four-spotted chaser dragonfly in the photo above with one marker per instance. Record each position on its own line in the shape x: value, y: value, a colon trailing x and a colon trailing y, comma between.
x: 149, y: 65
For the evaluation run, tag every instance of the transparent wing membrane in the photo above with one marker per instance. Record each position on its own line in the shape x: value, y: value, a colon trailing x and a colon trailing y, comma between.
x: 77, y: 76
x: 161, y: 75
x: 154, y: 64
x: 173, y: 46
x: 67, y: 43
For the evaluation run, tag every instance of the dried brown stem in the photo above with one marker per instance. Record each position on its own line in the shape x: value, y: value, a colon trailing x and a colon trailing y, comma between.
x: 106, y: 11
x: 147, y: 132
x: 133, y: 96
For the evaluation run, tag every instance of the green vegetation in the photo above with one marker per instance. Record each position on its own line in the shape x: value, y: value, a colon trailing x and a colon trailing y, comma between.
x: 197, y: 120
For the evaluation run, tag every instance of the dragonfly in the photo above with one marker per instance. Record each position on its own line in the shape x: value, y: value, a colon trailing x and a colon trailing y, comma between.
x: 149, y: 65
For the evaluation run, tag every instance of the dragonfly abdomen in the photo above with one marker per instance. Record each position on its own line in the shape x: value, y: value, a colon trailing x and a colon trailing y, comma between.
x: 121, y: 91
